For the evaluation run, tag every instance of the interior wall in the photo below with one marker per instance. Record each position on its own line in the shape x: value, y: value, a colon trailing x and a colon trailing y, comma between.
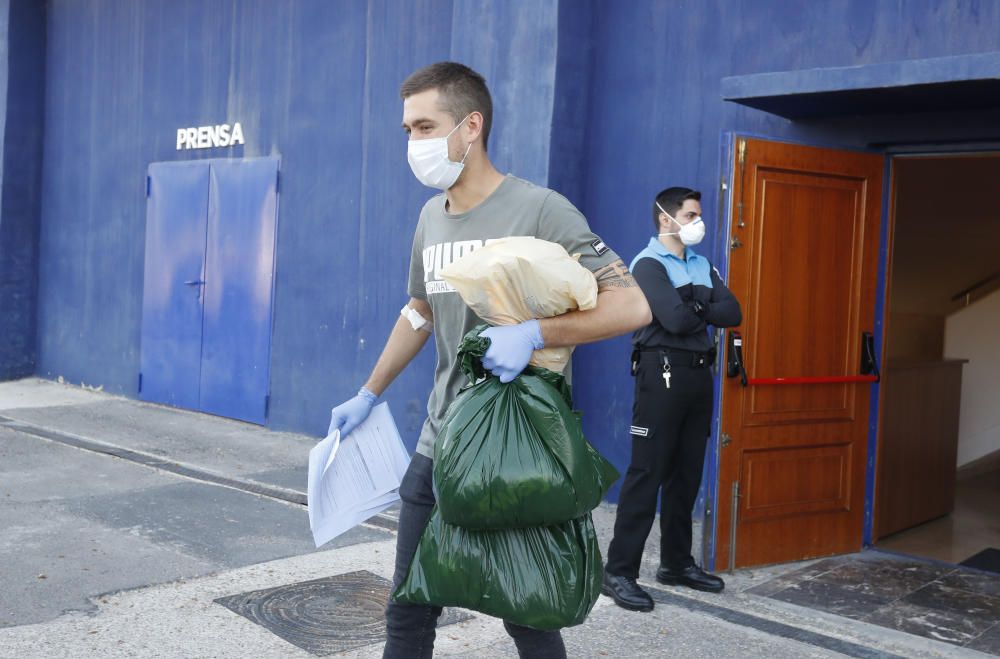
x: 945, y: 238
x: 971, y: 334
x: 915, y: 336
x: 947, y: 227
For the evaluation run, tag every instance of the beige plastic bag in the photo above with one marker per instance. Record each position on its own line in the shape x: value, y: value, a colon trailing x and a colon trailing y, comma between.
x: 511, y: 280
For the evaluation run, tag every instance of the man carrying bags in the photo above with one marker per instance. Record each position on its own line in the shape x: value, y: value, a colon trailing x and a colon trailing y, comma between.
x: 447, y: 113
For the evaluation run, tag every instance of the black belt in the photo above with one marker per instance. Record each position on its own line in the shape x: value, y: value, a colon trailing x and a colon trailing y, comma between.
x: 676, y: 357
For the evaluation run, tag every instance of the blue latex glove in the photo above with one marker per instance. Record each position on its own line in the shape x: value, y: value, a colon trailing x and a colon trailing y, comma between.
x: 346, y: 416
x: 511, y: 347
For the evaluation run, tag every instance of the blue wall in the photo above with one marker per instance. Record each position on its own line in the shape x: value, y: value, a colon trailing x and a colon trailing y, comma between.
x: 605, y: 101
x: 22, y: 65
x: 314, y: 82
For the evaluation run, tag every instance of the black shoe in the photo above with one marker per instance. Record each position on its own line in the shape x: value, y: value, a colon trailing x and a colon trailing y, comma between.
x: 692, y: 577
x: 626, y: 593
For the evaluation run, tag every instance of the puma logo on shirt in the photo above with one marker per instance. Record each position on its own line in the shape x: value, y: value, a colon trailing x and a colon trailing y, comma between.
x: 440, y: 255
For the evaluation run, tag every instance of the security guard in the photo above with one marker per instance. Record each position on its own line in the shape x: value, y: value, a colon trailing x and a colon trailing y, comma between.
x: 672, y: 412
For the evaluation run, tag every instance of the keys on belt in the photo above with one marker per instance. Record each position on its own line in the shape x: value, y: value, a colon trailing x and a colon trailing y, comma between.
x: 675, y: 357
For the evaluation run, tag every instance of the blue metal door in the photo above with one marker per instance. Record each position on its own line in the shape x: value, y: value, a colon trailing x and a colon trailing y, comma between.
x: 239, y: 275
x: 176, y: 221
x: 206, y: 321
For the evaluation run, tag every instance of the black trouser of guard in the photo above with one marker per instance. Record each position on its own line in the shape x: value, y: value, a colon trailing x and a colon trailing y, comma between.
x: 410, y: 628
x: 667, y: 461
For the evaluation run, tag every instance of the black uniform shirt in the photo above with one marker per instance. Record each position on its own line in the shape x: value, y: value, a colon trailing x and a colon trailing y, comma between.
x: 671, y: 286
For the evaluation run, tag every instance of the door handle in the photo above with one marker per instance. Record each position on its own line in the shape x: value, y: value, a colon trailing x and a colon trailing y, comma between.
x: 194, y: 282
x: 734, y: 358
x: 869, y: 365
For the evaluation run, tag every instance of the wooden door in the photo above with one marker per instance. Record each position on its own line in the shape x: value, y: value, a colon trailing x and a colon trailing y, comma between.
x: 918, y: 445
x: 803, y: 260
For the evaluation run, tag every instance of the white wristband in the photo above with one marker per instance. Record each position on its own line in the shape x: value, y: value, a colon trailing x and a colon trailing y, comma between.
x: 416, y: 320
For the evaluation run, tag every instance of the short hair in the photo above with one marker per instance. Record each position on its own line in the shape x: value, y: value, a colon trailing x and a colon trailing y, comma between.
x: 672, y: 199
x: 462, y: 90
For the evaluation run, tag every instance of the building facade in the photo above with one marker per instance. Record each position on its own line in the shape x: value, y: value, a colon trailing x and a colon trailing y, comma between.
x: 606, y: 102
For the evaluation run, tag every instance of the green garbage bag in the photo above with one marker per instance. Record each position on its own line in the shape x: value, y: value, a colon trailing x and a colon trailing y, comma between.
x: 514, y: 455
x: 545, y: 577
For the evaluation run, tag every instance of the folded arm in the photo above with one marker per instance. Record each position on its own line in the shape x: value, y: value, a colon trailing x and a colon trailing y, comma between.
x: 723, y: 310
x: 676, y: 315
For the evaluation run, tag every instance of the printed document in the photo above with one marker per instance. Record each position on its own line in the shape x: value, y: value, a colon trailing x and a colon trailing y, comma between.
x: 355, y: 477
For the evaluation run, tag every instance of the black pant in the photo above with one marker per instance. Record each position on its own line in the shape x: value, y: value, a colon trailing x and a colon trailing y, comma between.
x: 410, y: 628
x: 670, y: 429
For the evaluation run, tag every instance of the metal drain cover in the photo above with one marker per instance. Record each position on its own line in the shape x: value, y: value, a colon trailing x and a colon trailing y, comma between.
x: 327, y: 615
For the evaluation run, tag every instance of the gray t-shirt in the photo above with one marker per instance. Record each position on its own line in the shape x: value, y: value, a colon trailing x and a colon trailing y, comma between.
x: 516, y: 208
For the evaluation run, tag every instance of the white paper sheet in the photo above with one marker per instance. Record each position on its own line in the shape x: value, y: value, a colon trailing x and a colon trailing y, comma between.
x: 354, y: 478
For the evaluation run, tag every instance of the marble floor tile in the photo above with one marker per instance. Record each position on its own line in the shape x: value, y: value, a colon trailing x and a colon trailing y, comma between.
x: 960, y: 602
x: 934, y: 600
x: 973, y: 581
x: 832, y: 598
x: 887, y: 578
x: 804, y: 573
x: 819, y: 567
x: 988, y: 641
x: 772, y: 586
x: 950, y: 627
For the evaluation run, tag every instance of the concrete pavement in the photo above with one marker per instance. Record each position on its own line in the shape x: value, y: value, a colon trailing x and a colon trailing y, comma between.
x: 124, y: 522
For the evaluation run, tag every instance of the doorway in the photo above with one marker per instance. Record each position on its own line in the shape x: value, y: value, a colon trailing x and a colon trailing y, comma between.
x: 803, y: 257
x: 938, y: 474
x: 208, y: 287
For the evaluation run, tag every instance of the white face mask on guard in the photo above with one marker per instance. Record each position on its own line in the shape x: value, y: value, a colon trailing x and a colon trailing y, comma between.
x: 690, y: 233
x: 430, y: 163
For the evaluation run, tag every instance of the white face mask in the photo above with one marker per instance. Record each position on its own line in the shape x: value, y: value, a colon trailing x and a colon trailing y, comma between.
x: 690, y: 233
x: 430, y: 162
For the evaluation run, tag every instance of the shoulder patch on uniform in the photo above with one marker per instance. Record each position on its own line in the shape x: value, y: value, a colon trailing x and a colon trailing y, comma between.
x: 639, y: 431
x: 599, y: 247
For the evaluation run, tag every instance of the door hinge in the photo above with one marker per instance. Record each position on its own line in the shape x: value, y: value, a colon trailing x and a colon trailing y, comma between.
x: 277, y: 182
x: 742, y: 151
x: 140, y: 382
x: 726, y: 440
x: 149, y: 184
